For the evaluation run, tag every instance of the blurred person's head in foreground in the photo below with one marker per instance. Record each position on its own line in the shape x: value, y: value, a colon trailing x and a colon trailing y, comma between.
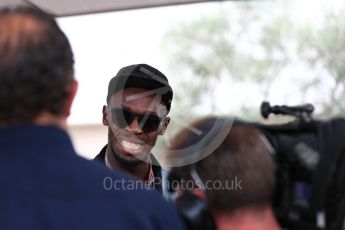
x: 36, y: 69
x: 236, y: 180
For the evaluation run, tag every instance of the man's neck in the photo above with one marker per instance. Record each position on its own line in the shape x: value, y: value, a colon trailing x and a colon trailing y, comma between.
x: 246, y: 219
x: 140, y: 170
x: 42, y: 119
x: 49, y: 119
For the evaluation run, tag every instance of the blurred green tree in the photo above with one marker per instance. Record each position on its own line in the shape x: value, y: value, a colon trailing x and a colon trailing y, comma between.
x: 247, y: 44
x: 323, y: 49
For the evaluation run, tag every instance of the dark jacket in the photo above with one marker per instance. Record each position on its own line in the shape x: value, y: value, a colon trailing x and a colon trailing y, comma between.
x: 156, y: 168
x: 45, y: 185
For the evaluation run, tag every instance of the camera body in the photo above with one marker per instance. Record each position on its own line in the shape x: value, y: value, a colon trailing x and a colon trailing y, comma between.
x: 310, y: 169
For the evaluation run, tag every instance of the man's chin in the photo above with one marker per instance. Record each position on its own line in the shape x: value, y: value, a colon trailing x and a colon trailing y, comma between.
x: 134, y: 152
x: 130, y: 158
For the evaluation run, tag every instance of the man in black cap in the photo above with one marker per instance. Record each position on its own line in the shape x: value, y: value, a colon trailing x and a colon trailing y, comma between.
x: 138, y: 102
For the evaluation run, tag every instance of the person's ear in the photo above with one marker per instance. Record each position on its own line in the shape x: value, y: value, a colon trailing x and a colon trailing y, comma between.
x: 105, y: 112
x: 164, y: 125
x: 70, y: 98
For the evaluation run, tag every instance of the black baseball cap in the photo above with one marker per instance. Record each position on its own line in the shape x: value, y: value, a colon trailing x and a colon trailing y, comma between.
x: 142, y: 76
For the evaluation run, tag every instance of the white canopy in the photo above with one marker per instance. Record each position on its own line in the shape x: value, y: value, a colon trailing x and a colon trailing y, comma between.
x: 78, y: 7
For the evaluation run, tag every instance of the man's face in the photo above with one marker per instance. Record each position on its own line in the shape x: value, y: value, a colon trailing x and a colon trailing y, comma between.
x: 130, y: 142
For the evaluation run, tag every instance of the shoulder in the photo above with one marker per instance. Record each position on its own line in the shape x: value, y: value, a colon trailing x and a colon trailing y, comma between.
x: 100, y: 157
x: 129, y: 197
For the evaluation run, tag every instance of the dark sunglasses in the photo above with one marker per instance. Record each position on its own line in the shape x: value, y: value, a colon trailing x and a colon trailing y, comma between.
x: 148, y: 122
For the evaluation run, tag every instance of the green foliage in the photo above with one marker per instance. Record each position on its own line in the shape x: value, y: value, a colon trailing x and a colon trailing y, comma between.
x: 325, y: 47
x: 247, y: 43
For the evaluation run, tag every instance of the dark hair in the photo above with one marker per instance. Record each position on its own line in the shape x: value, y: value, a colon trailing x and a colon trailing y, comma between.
x: 242, y: 155
x: 36, y: 65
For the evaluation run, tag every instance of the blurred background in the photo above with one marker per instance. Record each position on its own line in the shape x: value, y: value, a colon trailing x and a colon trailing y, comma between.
x: 221, y: 58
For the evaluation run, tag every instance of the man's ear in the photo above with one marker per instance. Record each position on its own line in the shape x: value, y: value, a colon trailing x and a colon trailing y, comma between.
x: 70, y: 98
x: 164, y: 125
x: 105, y: 112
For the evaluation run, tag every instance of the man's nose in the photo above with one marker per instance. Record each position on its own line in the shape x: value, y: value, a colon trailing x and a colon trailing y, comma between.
x: 134, y: 126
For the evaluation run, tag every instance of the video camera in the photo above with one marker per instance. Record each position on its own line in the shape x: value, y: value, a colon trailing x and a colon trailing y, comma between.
x: 310, y: 168
x: 309, y: 158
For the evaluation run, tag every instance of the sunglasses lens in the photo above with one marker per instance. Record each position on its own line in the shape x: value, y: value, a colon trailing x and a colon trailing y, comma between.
x: 150, y: 123
x: 121, y: 117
